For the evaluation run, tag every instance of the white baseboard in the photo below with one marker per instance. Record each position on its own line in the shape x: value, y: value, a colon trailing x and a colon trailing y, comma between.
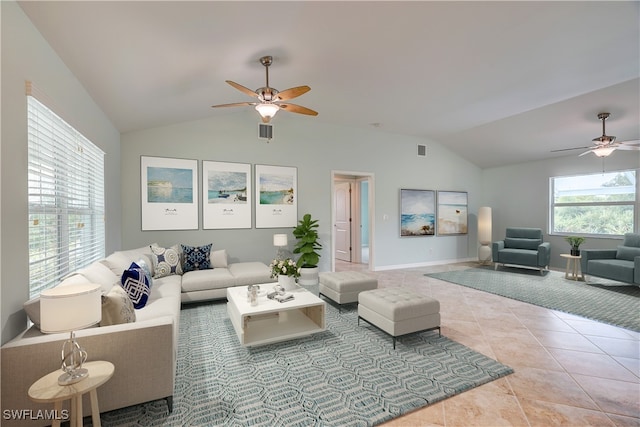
x: 423, y: 264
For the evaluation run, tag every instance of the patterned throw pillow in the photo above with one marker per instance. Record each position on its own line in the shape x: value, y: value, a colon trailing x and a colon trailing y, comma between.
x: 135, y: 283
x: 117, y: 307
x: 166, y: 261
x: 196, y: 258
x: 147, y: 271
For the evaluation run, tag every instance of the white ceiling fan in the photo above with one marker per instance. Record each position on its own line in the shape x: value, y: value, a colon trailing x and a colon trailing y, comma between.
x: 270, y: 99
x: 605, y: 145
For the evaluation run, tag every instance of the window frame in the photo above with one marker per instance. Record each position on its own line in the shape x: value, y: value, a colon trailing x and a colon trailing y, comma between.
x: 633, y: 203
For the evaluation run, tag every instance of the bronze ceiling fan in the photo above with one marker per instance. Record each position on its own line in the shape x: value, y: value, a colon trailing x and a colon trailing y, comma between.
x: 270, y: 100
x: 606, y: 144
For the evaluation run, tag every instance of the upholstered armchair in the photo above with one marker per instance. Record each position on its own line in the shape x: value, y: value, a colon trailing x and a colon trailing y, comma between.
x: 621, y: 264
x: 522, y: 247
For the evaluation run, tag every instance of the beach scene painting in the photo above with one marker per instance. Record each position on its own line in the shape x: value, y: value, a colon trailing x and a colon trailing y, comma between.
x: 452, y: 212
x: 169, y: 185
x: 276, y: 202
x: 169, y: 193
x: 226, y: 191
x: 417, y: 212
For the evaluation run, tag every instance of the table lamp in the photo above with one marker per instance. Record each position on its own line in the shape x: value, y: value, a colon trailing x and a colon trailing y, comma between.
x: 67, y: 309
x: 280, y: 241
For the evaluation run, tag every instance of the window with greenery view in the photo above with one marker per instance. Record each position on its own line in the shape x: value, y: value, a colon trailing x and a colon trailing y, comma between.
x: 66, y: 198
x: 597, y: 204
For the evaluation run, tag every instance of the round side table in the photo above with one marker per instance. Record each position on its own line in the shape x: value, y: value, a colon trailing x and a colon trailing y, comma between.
x: 573, y: 265
x: 47, y: 390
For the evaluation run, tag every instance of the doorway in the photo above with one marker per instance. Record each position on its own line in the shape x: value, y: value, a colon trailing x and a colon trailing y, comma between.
x: 352, y: 218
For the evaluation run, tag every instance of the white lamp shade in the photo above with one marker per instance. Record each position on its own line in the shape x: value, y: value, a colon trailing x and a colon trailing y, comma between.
x: 484, y: 225
x: 280, y: 240
x: 69, y: 308
x: 266, y: 110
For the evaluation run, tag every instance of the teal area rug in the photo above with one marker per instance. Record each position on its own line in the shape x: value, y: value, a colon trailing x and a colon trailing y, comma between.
x: 602, y: 300
x: 349, y: 375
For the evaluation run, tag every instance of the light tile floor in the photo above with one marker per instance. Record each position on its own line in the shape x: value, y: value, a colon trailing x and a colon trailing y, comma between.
x: 569, y: 371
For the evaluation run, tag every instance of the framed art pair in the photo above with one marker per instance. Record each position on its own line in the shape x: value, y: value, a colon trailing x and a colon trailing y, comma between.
x: 425, y: 212
x: 169, y: 195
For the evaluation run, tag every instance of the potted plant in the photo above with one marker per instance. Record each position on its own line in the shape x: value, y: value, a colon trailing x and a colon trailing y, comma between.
x: 285, y: 270
x: 575, y: 242
x: 307, y: 246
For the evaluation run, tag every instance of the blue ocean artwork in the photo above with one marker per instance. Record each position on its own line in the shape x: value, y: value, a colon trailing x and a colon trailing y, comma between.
x: 276, y: 189
x: 169, y: 185
x: 417, y: 224
x: 227, y: 187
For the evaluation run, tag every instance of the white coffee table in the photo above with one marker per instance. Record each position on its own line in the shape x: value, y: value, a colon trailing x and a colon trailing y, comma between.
x: 272, y: 321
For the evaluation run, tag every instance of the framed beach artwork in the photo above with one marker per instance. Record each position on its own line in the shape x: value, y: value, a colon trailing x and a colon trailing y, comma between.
x: 226, y: 195
x: 276, y: 196
x: 452, y: 213
x: 417, y: 213
x: 169, y: 193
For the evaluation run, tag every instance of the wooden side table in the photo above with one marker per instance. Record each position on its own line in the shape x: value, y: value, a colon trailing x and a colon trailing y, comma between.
x: 47, y: 390
x: 573, y: 265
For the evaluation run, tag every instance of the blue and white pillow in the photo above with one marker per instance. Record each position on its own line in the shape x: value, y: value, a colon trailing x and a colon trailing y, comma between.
x: 166, y: 261
x: 135, y: 283
x: 196, y: 257
x: 147, y: 270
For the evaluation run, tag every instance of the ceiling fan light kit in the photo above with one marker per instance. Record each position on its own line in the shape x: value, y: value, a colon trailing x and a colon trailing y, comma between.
x: 270, y: 99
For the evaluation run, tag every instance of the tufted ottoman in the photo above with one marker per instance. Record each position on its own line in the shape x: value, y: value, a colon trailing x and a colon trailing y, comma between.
x: 343, y: 287
x: 399, y: 311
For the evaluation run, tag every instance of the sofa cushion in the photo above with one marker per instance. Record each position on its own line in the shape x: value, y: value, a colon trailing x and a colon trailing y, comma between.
x: 522, y: 243
x: 632, y: 239
x: 524, y: 232
x: 519, y: 257
x: 98, y: 272
x: 117, y: 307
x: 196, y: 257
x: 614, y: 269
x: 166, y: 261
x: 120, y: 260
x: 247, y: 273
x: 136, y: 285
x: 627, y: 253
x: 207, y: 279
x: 219, y: 259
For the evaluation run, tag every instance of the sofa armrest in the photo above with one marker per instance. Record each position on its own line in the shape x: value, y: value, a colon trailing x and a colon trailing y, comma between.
x: 142, y: 352
x: 544, y: 254
x: 636, y: 270
x: 590, y: 254
x: 496, y: 247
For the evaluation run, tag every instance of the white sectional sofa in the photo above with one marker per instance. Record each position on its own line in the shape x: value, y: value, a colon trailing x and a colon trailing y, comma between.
x: 144, y: 352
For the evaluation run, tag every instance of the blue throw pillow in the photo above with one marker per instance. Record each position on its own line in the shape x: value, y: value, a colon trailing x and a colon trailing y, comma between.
x: 135, y: 283
x: 196, y: 258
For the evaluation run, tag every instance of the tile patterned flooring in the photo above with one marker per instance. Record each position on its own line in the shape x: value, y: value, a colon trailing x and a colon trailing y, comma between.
x: 569, y: 371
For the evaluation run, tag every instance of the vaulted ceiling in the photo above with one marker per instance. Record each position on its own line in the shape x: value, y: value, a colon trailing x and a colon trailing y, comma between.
x: 497, y: 82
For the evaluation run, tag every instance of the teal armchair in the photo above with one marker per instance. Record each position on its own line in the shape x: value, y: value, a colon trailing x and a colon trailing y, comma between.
x: 621, y: 264
x: 522, y: 247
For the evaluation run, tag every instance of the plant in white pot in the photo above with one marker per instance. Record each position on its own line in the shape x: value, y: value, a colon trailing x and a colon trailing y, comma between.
x: 286, y: 271
x: 307, y: 247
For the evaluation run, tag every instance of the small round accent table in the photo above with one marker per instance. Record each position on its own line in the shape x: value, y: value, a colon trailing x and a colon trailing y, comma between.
x: 47, y: 390
x: 573, y: 265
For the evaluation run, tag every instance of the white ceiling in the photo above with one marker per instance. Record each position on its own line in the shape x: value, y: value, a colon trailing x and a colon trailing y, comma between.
x: 497, y: 82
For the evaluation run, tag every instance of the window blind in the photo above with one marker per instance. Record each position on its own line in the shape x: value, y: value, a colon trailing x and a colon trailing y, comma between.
x: 66, y: 198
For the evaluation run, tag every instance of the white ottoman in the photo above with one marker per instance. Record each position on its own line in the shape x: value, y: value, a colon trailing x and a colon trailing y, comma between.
x: 343, y: 287
x: 399, y: 311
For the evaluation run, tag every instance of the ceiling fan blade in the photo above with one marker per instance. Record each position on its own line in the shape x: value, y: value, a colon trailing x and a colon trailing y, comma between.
x: 569, y: 149
x: 628, y: 147
x: 293, y: 108
x: 630, y: 142
x: 293, y: 92
x: 242, y: 89
x: 235, y: 104
x: 586, y: 152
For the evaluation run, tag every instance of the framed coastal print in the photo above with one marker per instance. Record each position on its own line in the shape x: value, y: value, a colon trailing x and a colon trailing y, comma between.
x: 276, y: 196
x: 226, y: 195
x: 452, y: 213
x: 417, y: 213
x: 169, y: 193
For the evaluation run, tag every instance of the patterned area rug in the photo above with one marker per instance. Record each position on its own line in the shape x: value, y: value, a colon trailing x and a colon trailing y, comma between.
x: 349, y: 375
x: 602, y: 300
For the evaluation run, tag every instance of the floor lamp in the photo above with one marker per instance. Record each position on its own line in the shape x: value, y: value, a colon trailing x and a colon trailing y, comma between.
x: 484, y: 235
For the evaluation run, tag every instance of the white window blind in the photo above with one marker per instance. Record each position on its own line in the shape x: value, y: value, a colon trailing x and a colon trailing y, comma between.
x: 66, y: 198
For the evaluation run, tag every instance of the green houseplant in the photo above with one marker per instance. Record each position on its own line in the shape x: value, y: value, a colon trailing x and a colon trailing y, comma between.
x: 575, y: 242
x: 307, y: 247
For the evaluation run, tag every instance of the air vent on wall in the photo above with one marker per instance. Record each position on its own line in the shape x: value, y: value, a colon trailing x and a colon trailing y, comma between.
x: 422, y: 150
x: 265, y: 131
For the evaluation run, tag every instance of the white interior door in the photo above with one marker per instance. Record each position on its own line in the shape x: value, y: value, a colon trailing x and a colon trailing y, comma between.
x: 342, y: 203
